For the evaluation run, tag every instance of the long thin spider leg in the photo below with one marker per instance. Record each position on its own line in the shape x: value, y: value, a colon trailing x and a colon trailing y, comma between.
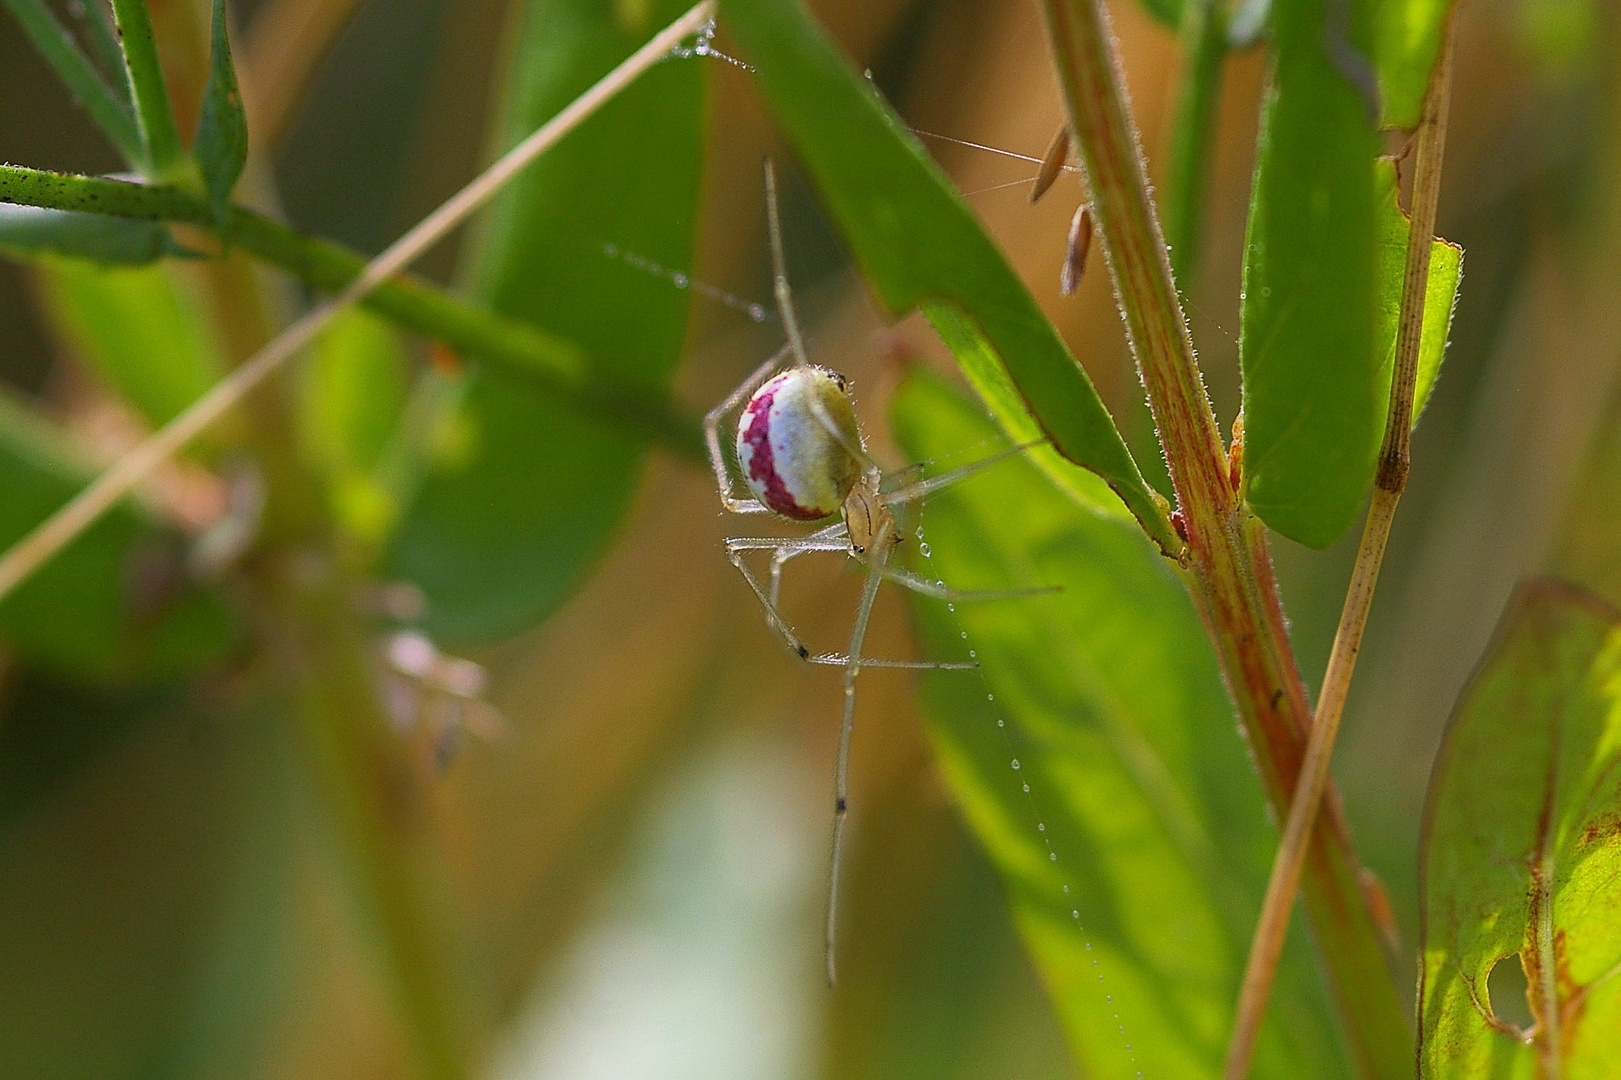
x: 780, y: 556
x: 841, y: 769
x: 908, y: 580
x: 712, y: 428
x: 903, y: 477
x: 779, y: 268
x: 783, y: 549
x: 840, y: 659
x: 734, y: 549
x: 914, y: 492
x: 790, y: 321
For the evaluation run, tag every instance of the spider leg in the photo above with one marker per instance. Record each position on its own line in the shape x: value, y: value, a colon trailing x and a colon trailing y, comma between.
x: 831, y: 538
x: 916, y: 491
x: 780, y: 556
x: 901, y: 478
x: 841, y: 768
x: 729, y: 497
x: 918, y: 584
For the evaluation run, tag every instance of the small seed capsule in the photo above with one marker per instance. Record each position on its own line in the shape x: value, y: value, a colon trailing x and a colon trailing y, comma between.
x: 793, y: 463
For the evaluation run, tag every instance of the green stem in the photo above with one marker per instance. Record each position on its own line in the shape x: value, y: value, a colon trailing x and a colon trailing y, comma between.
x: 1230, y: 569
x: 365, y: 778
x: 165, y: 157
x: 406, y: 300
x: 86, y: 84
x: 1204, y: 47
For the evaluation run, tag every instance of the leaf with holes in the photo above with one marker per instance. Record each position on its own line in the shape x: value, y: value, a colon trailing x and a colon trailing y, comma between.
x: 1522, y: 849
x: 1116, y: 716
x: 507, y: 526
x: 920, y: 247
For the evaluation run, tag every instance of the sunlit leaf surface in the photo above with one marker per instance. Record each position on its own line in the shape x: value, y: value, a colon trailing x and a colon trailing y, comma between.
x: 1323, y: 270
x: 919, y: 244
x: 508, y: 524
x: 1116, y: 719
x: 1409, y: 40
x: 1522, y: 853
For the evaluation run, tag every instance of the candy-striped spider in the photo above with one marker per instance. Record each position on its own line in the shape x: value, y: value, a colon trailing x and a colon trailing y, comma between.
x: 801, y: 453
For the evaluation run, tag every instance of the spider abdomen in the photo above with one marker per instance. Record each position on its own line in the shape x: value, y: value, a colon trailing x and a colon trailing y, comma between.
x: 796, y: 442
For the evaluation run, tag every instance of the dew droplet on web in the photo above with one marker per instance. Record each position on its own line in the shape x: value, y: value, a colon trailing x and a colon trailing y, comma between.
x: 990, y: 697
x: 924, y: 548
x: 972, y: 655
x: 1016, y: 765
x: 1052, y: 856
x: 920, y: 532
x: 1001, y: 723
x: 965, y: 635
x: 1041, y: 826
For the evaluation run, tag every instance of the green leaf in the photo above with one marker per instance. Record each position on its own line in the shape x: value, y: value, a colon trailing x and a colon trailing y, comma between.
x: 1115, y: 712
x: 1324, y: 262
x: 352, y: 394
x: 221, y: 147
x: 145, y: 331
x: 1408, y: 44
x: 1168, y: 12
x: 114, y: 605
x: 34, y: 230
x: 920, y: 247
x: 164, y: 156
x: 1313, y: 407
x: 1522, y: 850
x: 507, y: 525
x: 110, y: 112
x: 1440, y: 296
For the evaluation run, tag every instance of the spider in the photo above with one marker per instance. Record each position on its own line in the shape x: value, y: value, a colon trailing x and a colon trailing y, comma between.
x: 801, y: 453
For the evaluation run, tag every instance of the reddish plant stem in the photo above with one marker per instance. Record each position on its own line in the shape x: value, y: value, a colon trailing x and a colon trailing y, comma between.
x: 1227, y: 560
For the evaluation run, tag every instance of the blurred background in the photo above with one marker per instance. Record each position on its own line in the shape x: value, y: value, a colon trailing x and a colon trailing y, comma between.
x: 634, y: 866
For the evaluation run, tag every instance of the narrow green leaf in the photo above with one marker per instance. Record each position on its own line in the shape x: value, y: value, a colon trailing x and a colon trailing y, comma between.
x: 1324, y: 263
x: 115, y: 605
x: 110, y: 113
x: 1522, y: 850
x: 1168, y: 12
x: 165, y: 158
x: 1117, y: 720
x: 32, y: 230
x: 221, y: 147
x: 144, y: 331
x: 920, y: 246
x: 525, y: 496
x: 1407, y: 46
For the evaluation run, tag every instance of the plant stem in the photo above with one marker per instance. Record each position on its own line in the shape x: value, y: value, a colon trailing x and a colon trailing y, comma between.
x: 1203, y: 37
x: 165, y: 157
x: 1394, y: 460
x: 408, y: 301
x: 1231, y: 577
x: 364, y: 776
x: 38, y: 546
x: 86, y: 84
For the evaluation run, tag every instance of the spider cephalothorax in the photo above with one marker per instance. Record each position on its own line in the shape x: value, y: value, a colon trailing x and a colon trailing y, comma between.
x: 798, y: 443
